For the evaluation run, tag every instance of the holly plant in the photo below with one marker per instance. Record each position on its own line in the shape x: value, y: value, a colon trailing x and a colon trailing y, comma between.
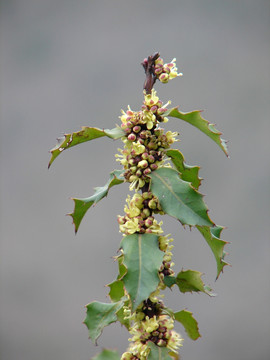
x: 160, y: 183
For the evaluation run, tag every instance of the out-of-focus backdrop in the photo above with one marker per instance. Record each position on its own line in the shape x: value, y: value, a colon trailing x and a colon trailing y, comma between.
x: 67, y: 63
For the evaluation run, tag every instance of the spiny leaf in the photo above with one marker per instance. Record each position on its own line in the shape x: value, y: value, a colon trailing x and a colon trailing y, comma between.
x: 194, y: 118
x: 121, y: 268
x: 178, y: 198
x: 82, y: 205
x: 190, y: 324
x: 187, y: 173
x: 160, y: 353
x: 107, y: 355
x: 190, y: 280
x: 99, y: 315
x: 86, y: 134
x: 212, y: 237
x: 142, y: 258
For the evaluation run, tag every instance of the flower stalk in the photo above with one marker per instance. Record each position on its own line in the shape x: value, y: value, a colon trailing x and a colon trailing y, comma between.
x: 161, y: 183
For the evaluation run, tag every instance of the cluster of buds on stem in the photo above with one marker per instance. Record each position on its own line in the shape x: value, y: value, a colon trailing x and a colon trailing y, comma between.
x: 139, y: 215
x: 145, y: 146
x: 166, y: 72
x: 158, y: 330
x: 145, y: 142
x: 167, y: 264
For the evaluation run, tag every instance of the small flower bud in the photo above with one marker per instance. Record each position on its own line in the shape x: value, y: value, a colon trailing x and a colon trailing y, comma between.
x: 154, y: 108
x: 154, y: 166
x: 158, y: 70
x: 161, y: 343
x: 161, y: 111
x: 145, y: 156
x: 146, y: 195
x: 129, y: 124
x: 152, y: 204
x: 139, y: 173
x: 164, y: 78
x: 149, y: 221
x: 132, y: 161
x: 141, y: 141
x: 136, y: 128
x: 133, y: 169
x: 131, y: 137
x: 147, y: 171
x: 146, y: 212
x: 151, y: 159
x: 143, y: 164
x: 133, y: 178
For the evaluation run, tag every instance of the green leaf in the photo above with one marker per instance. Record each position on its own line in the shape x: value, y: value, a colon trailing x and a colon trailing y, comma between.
x: 116, y: 290
x: 194, y: 118
x: 99, y: 315
x: 169, y: 281
x: 178, y: 198
x: 187, y: 173
x: 142, y: 258
x: 212, y: 237
x: 86, y: 134
x: 82, y: 205
x: 190, y: 324
x: 159, y: 353
x: 107, y: 355
x: 121, y: 268
x: 189, y: 281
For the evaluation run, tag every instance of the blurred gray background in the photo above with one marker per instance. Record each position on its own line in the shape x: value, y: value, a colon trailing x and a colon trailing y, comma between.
x: 67, y: 63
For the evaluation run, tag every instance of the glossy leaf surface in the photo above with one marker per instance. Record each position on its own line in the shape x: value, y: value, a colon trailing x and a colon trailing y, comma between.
x: 190, y: 324
x: 194, y: 118
x: 86, y: 134
x: 178, y: 198
x: 82, y: 205
x: 142, y: 258
x: 99, y: 315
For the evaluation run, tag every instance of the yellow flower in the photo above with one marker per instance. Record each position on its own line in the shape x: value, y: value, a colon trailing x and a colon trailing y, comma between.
x: 132, y: 210
x: 156, y: 228
x: 174, y: 341
x: 171, y: 136
x: 138, y: 148
x: 151, y: 324
x: 126, y: 115
x: 151, y: 99
x: 131, y: 226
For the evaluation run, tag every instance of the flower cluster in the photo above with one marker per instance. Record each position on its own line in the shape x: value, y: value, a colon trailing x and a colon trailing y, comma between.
x: 166, y: 72
x: 145, y: 142
x: 166, y: 267
x: 139, y: 215
x: 156, y: 329
x: 145, y: 145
